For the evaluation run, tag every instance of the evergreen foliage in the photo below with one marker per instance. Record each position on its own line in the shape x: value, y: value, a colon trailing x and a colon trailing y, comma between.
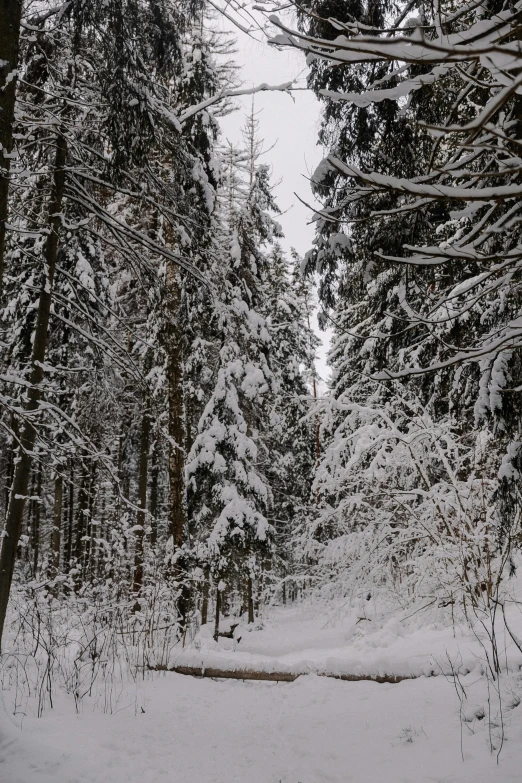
x: 145, y: 378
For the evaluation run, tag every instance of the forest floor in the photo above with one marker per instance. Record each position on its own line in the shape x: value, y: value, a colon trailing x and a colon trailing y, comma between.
x: 174, y: 728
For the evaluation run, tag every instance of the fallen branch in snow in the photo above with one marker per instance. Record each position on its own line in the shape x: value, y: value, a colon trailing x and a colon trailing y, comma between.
x: 249, y: 674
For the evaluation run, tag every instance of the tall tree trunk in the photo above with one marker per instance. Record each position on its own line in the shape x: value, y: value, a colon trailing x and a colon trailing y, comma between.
x: 154, y: 482
x: 83, y: 549
x: 218, y: 612
x: 205, y: 595
x: 35, y: 531
x: 15, y: 511
x: 177, y: 515
x: 28, y: 549
x: 91, y: 546
x: 102, y: 535
x: 250, y: 600
x: 11, y: 460
x: 10, y: 18
x: 81, y: 516
x: 56, y: 532
x: 142, y: 503
x: 68, y: 553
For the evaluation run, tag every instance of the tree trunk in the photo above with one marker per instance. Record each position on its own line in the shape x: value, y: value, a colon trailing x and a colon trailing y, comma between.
x: 177, y: 516
x: 35, y: 531
x: 68, y: 553
x: 259, y: 591
x: 103, y: 536
x: 91, y: 546
x: 11, y: 460
x: 28, y: 549
x: 205, y: 595
x: 250, y: 600
x: 142, y: 503
x: 81, y: 517
x: 154, y: 481
x: 15, y: 511
x: 218, y: 612
x: 56, y: 533
x: 10, y: 18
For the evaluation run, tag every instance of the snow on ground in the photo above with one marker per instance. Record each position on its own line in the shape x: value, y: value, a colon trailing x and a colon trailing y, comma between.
x: 314, y: 730
x: 178, y: 729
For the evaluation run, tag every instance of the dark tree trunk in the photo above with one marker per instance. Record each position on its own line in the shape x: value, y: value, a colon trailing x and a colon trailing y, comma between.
x: 91, y: 546
x: 250, y: 600
x: 154, y: 482
x: 15, y: 511
x: 35, y: 529
x: 10, y: 18
x: 177, y: 515
x: 259, y: 592
x: 142, y: 503
x: 205, y: 595
x: 56, y: 532
x: 218, y: 612
x: 68, y: 553
x: 11, y: 460
x: 103, y: 535
x: 81, y: 517
x: 28, y: 549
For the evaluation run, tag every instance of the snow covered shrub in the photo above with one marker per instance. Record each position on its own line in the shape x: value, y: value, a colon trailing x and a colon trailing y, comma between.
x: 405, y: 510
x: 89, y: 646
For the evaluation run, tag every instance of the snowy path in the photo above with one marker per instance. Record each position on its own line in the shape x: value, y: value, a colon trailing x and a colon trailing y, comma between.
x: 307, y: 640
x: 314, y: 730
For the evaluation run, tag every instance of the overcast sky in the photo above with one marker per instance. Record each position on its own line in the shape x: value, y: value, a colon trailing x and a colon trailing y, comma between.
x: 289, y: 128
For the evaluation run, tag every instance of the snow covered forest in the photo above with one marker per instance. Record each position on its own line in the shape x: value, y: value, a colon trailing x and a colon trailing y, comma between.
x: 215, y: 566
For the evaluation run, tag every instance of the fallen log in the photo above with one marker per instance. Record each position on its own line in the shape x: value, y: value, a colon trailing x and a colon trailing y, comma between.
x: 393, y: 679
x: 234, y: 674
x: 249, y: 674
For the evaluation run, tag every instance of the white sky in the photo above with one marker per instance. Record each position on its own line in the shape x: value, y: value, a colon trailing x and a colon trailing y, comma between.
x: 289, y: 129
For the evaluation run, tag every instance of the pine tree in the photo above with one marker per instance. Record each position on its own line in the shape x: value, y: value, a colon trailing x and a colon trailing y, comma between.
x: 412, y: 239
x: 291, y: 428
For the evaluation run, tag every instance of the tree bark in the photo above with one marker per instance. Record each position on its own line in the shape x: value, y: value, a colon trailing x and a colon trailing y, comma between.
x: 204, y: 596
x: 81, y: 516
x: 35, y: 531
x: 91, y: 545
x: 11, y: 460
x: 10, y: 18
x: 177, y: 511
x: 218, y: 612
x: 250, y: 600
x: 142, y: 503
x: 154, y: 481
x: 15, y: 511
x: 56, y: 532
x: 28, y: 550
x: 68, y: 553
